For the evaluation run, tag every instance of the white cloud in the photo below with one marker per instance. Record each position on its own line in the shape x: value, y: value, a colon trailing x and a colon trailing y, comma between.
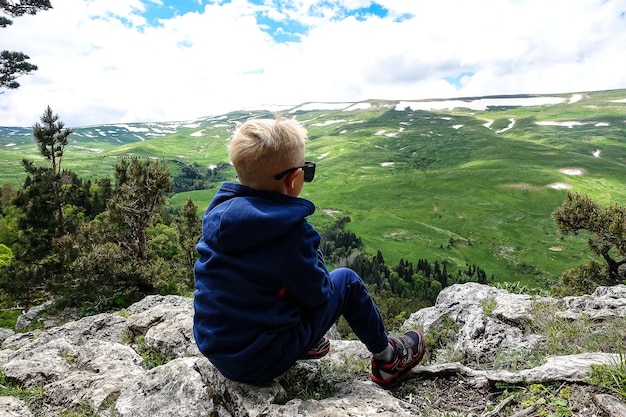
x: 100, y: 62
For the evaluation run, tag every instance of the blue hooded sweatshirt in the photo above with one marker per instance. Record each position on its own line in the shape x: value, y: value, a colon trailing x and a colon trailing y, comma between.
x: 258, y: 273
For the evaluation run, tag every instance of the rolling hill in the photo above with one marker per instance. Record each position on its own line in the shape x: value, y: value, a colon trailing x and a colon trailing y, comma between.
x: 469, y: 180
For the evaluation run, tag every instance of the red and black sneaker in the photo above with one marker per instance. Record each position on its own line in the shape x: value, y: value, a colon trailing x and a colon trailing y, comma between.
x: 408, y: 350
x: 319, y: 350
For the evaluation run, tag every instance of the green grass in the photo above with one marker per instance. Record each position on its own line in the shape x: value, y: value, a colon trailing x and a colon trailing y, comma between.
x: 32, y: 396
x: 565, y: 336
x: 611, y: 377
x: 434, y: 185
x: 8, y: 318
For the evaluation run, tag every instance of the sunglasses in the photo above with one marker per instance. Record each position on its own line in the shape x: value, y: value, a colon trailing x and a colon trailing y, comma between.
x: 308, y: 168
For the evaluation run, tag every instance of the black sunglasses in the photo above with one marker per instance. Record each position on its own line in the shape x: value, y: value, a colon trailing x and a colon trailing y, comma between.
x: 308, y: 168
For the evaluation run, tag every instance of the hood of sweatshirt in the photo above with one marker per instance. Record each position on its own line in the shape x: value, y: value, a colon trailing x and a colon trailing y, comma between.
x: 241, y: 217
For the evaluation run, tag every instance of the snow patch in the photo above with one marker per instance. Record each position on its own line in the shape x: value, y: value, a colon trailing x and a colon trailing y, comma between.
x: 87, y: 149
x: 133, y: 128
x: 560, y: 186
x: 387, y: 164
x: 565, y: 124
x: 329, y: 122
x: 478, y: 104
x: 572, y: 171
x: 574, y: 98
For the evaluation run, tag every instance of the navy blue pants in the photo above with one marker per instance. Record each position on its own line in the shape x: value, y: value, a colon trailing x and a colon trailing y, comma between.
x: 349, y: 298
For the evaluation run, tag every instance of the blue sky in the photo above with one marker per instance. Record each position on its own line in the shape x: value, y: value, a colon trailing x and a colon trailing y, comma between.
x: 113, y: 61
x: 275, y: 21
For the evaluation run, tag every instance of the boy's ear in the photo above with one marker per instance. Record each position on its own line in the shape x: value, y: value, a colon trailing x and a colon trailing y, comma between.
x: 292, y: 176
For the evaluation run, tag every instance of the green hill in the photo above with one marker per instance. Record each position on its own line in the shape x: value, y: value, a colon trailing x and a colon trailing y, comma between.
x: 470, y: 180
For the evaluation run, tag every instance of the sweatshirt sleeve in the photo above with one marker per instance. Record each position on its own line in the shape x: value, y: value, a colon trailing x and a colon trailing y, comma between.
x: 305, y: 273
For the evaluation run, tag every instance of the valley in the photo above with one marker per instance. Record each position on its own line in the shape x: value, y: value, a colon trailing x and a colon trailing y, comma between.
x: 464, y: 181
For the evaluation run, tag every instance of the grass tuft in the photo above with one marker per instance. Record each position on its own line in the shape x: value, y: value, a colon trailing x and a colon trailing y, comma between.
x: 611, y: 377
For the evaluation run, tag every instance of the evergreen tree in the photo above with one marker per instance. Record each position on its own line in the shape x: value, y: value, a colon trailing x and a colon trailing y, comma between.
x: 138, y: 196
x: 189, y: 232
x: 51, y: 136
x: 14, y: 64
x: 45, y: 195
x: 125, y: 252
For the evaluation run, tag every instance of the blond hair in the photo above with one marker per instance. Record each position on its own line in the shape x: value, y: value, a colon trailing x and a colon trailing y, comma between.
x: 261, y: 148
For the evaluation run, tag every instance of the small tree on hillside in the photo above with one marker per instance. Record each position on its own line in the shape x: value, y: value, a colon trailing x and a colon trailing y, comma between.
x: 607, y: 238
x: 189, y: 232
x: 139, y: 194
x: 14, y: 64
x: 51, y: 136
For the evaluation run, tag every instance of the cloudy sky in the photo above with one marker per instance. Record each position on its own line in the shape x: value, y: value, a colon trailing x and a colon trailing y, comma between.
x: 120, y: 61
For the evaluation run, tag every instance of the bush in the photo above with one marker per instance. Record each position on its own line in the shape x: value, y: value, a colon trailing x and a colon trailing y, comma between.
x: 583, y: 279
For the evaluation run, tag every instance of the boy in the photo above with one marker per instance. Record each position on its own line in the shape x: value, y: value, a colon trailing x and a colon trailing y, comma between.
x: 264, y: 298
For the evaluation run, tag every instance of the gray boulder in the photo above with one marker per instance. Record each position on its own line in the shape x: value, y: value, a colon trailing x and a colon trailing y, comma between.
x: 143, y: 361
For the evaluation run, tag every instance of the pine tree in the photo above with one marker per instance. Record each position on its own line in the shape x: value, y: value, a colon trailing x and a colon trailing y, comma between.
x: 189, y: 231
x: 15, y: 64
x: 139, y: 194
x: 51, y: 136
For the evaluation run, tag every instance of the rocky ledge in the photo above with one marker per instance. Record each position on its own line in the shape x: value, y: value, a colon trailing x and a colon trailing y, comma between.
x: 143, y: 361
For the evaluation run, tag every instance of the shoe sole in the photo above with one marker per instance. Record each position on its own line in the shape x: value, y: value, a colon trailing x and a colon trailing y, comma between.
x: 319, y: 353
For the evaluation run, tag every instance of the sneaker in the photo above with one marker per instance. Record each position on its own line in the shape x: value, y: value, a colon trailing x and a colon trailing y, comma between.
x: 319, y: 350
x: 408, y: 351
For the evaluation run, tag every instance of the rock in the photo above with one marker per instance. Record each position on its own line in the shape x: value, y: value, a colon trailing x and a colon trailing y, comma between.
x: 481, y: 334
x: 166, y: 324
x: 237, y: 399
x: 98, y: 366
x: 13, y: 407
x: 41, y: 363
x: 27, y: 318
x: 99, y: 371
x: 110, y: 327
x: 354, y: 399
x: 5, y: 333
x: 611, y: 405
x: 172, y: 390
x: 605, y: 302
x: 570, y: 368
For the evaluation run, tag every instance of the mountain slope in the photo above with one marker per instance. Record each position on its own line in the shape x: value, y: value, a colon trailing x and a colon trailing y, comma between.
x: 461, y: 181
